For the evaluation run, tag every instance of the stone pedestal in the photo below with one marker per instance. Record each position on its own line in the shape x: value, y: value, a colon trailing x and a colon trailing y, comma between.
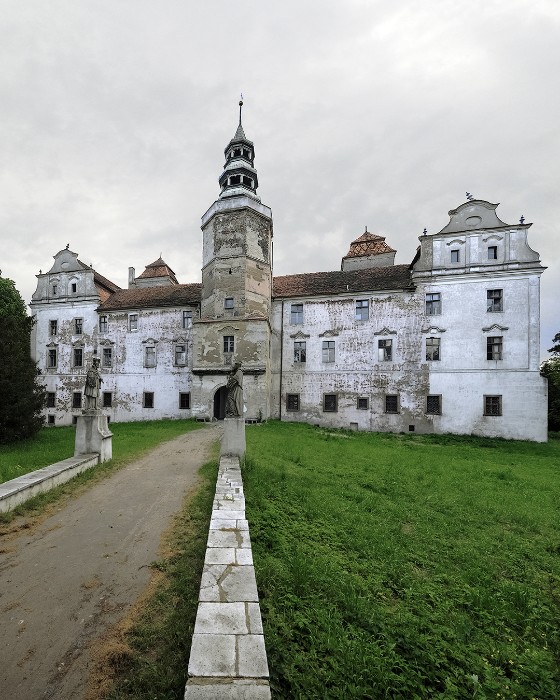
x: 93, y: 435
x: 233, y: 441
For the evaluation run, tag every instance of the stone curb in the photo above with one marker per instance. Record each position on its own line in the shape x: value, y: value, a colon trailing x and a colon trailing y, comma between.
x: 19, y: 490
x: 228, y: 655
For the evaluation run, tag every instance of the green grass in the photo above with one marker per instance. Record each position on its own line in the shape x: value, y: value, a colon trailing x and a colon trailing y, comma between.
x: 130, y: 441
x: 398, y: 566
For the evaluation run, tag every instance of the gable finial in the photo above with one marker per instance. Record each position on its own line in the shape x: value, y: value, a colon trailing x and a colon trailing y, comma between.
x: 240, y: 108
x: 522, y: 220
x: 67, y: 246
x: 366, y: 231
x: 425, y: 231
x: 469, y: 196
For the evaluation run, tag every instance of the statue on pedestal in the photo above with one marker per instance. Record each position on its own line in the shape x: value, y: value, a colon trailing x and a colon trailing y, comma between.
x: 93, y: 385
x: 234, y: 400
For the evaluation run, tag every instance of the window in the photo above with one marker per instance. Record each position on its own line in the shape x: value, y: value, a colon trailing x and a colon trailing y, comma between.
x: 184, y: 400
x: 384, y: 350
x: 187, y: 319
x: 180, y: 355
x: 132, y: 322
x: 494, y: 347
x: 228, y: 303
x: 55, y: 292
x: 433, y: 404
x: 78, y: 357
x: 329, y: 403
x: 328, y: 350
x: 73, y: 287
x: 107, y: 399
x: 228, y: 344
x: 492, y: 405
x: 103, y: 324
x: 53, y: 327
x: 107, y: 357
x: 51, y: 399
x: 494, y: 300
x: 492, y: 252
x: 362, y: 310
x: 77, y: 399
x: 391, y: 403
x: 149, y: 356
x: 51, y: 358
x: 292, y: 402
x: 362, y: 403
x: 432, y: 349
x: 50, y: 420
x: 454, y: 256
x: 78, y: 326
x: 74, y: 420
x: 296, y: 314
x: 148, y: 399
x: 433, y: 304
x: 299, y: 351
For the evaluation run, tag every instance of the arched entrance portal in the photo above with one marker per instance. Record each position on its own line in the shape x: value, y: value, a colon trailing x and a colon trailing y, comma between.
x: 220, y: 403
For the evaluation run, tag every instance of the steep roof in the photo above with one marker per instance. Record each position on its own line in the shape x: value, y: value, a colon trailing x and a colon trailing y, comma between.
x: 318, y: 283
x: 368, y: 244
x: 103, y: 285
x: 159, y: 268
x: 153, y: 297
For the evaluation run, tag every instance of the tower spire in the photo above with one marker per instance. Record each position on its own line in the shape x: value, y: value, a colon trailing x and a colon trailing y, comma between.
x: 239, y: 176
x: 240, y: 108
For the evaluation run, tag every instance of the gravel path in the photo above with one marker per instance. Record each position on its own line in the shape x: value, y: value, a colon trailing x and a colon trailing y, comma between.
x: 67, y: 581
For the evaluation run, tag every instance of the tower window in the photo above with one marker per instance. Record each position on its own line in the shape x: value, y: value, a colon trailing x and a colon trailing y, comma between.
x: 247, y: 181
x: 237, y: 153
x: 228, y: 303
x: 235, y: 180
x: 228, y: 344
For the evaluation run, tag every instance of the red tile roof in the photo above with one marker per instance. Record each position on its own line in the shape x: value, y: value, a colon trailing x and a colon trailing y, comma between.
x: 159, y: 268
x: 368, y: 244
x: 322, y: 283
x: 153, y: 297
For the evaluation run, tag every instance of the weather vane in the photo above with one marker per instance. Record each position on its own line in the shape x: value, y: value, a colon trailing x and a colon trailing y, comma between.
x: 469, y: 196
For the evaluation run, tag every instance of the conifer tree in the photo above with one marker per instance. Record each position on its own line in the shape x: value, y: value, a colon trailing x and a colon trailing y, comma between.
x: 22, y: 396
x: 551, y: 370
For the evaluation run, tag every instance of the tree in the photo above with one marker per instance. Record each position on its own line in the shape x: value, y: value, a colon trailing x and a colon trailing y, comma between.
x: 551, y: 370
x: 22, y: 396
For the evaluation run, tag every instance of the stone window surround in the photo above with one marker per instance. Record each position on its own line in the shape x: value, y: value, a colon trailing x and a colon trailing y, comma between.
x: 330, y: 403
x: 492, y: 405
x: 293, y: 402
x: 433, y: 405
x: 385, y: 350
x: 300, y: 351
x: 184, y: 400
x: 392, y: 404
x: 362, y: 403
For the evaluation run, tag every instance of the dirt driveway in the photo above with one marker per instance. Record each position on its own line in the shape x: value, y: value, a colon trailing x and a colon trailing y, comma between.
x: 64, y: 583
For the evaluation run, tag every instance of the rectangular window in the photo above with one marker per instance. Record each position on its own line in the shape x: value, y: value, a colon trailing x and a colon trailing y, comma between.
x: 292, y: 402
x: 53, y: 327
x: 494, y: 347
x: 363, y: 403
x: 184, y: 400
x: 296, y: 314
x: 107, y: 399
x: 432, y: 349
x: 50, y: 420
x: 55, y: 292
x: 330, y: 403
x: 51, y: 358
x: 148, y: 399
x: 149, y: 356
x: 78, y: 326
x: 433, y: 303
x: 454, y: 256
x: 494, y: 300
x: 187, y: 319
x: 228, y: 344
x: 492, y: 405
x: 78, y: 357
x: 73, y: 287
x: 433, y: 404
x: 391, y: 403
x: 300, y: 354
x: 492, y: 252
x: 107, y: 357
x: 180, y: 355
x: 385, y: 350
x: 228, y: 303
x: 103, y: 324
x: 362, y: 310
x: 132, y: 322
x: 328, y: 350
x: 77, y: 399
x: 51, y: 399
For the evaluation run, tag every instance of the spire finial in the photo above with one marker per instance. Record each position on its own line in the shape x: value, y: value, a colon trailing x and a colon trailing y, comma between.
x: 425, y: 231
x: 469, y: 196
x: 522, y: 220
x: 240, y: 108
x: 366, y: 231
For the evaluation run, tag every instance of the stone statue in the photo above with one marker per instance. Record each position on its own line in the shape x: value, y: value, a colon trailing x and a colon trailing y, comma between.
x: 234, y: 400
x: 93, y: 384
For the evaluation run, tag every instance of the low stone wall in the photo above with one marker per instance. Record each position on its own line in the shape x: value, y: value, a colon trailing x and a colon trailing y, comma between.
x: 228, y: 656
x: 16, y: 491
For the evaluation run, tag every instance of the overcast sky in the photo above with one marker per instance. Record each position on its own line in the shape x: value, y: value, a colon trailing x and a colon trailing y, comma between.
x: 114, y: 115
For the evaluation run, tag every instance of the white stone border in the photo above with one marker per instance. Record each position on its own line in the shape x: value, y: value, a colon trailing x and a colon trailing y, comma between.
x: 228, y: 655
x: 19, y: 490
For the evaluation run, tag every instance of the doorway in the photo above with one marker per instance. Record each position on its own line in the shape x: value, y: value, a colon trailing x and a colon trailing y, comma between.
x: 220, y: 403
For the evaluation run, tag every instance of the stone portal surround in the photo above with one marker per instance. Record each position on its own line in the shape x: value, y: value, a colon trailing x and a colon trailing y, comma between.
x: 228, y: 656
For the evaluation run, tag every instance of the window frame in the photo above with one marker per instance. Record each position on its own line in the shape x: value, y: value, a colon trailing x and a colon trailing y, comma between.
x: 433, y: 412
x: 494, y: 304
x: 107, y: 399
x: 300, y: 351
x: 177, y: 353
x: 293, y: 403
x: 491, y: 400
x: 455, y: 256
x: 77, y: 400
x: 362, y: 399
x: 53, y: 326
x: 50, y: 399
x: 492, y: 252
x: 107, y: 353
x: 184, y: 397
x: 132, y: 323
x: 382, y: 348
x: 433, y: 346
x: 389, y: 398
x: 52, y: 352
x: 361, y: 310
x: 77, y: 352
x: 78, y: 326
x: 150, y: 352
x: 228, y: 344
x: 229, y: 303
x: 495, y: 347
x: 432, y: 304
x: 328, y: 351
x: 331, y: 399
x: 296, y: 314
x: 103, y: 323
x: 187, y: 319
x: 148, y: 399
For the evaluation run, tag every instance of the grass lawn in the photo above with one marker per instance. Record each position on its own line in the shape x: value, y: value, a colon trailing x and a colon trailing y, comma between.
x: 402, y: 566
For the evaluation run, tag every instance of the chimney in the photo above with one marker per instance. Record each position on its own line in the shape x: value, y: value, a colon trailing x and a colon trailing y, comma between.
x: 131, y: 282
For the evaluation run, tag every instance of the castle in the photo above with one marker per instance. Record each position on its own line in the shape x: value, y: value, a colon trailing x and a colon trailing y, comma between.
x: 447, y: 343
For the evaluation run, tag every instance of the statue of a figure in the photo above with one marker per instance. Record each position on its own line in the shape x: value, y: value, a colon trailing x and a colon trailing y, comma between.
x: 234, y: 400
x: 93, y: 384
